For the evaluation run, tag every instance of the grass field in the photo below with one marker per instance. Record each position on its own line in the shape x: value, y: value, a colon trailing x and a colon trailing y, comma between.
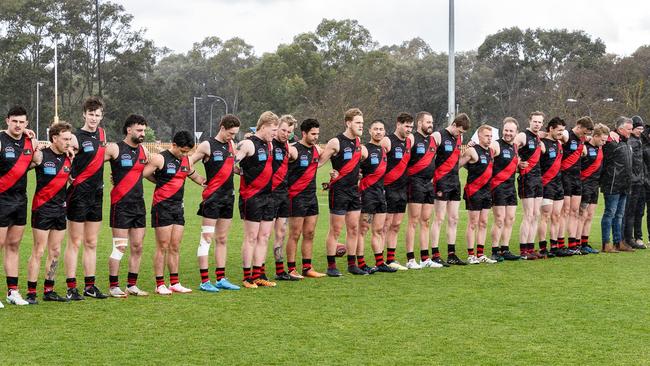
x: 586, y: 310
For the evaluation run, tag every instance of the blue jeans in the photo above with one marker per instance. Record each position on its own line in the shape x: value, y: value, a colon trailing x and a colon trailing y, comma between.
x: 613, y: 217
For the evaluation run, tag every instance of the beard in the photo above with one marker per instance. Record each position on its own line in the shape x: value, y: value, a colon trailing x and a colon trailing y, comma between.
x: 137, y: 140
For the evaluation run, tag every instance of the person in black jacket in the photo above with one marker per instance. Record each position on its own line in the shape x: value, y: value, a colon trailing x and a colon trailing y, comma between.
x: 636, y: 199
x: 645, y: 140
x: 615, y: 184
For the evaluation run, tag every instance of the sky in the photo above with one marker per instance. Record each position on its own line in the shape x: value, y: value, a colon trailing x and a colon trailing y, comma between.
x: 623, y: 25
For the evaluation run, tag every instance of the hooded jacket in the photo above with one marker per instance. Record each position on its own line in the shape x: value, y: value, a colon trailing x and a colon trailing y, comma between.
x: 616, y: 175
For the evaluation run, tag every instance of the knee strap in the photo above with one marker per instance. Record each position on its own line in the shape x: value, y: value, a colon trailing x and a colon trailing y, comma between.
x: 119, y: 243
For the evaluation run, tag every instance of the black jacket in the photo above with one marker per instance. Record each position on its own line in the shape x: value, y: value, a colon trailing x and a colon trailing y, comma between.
x: 645, y: 140
x: 615, y: 177
x: 637, y: 175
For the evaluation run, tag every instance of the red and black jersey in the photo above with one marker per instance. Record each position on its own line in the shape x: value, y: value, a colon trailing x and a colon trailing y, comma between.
x: 479, y: 173
x: 591, y: 164
x: 397, y: 160
x: 15, y: 157
x: 505, y: 165
x: 346, y: 162
x: 88, y: 164
x: 219, y: 171
x: 551, y: 161
x: 51, y: 178
x: 447, y: 156
x: 531, y: 152
x: 280, y: 166
x: 302, y: 171
x: 373, y: 168
x: 170, y: 180
x: 257, y: 170
x: 422, y: 163
x: 572, y: 152
x: 126, y: 171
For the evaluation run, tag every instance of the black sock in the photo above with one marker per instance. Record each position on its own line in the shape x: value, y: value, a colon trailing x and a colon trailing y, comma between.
x: 451, y: 248
x: 505, y: 248
x: 495, y: 250
x: 410, y: 255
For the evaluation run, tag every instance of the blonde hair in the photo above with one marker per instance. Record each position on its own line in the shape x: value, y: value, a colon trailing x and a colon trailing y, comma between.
x: 351, y: 113
x: 288, y: 119
x: 267, y: 118
x: 510, y: 120
x: 600, y: 130
x: 536, y: 113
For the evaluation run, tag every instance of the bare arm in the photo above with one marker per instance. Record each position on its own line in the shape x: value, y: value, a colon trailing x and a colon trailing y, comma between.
x: 496, y: 148
x: 293, y: 153
x: 332, y: 148
x: 245, y: 148
x: 469, y: 155
x: 111, y: 152
x: 196, y: 177
x: 200, y: 153
x: 37, y: 159
x: 385, y: 143
x: 156, y: 162
x: 364, y: 152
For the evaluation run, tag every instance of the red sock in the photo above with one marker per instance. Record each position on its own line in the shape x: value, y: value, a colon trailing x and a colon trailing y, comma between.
x: 204, y: 275
x: 160, y: 280
x: 220, y: 272
x: 173, y: 278
x: 470, y: 251
x: 279, y: 267
x: 390, y: 255
x: 379, y: 258
x: 479, y: 249
x: 247, y: 273
x: 257, y: 272
x: 361, y: 261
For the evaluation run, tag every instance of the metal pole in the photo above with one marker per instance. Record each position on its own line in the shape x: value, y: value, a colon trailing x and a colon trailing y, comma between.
x: 452, y: 66
x: 56, y: 83
x: 99, y: 69
x: 38, y: 108
x: 211, y: 105
x: 195, y: 98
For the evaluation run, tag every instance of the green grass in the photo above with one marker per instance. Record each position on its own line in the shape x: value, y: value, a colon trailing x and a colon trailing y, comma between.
x: 591, y: 309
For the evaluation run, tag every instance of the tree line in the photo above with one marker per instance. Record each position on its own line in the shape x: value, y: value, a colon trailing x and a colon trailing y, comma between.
x: 319, y: 74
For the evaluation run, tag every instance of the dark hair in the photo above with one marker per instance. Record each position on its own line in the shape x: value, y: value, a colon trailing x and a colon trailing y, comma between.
x: 16, y: 111
x: 462, y: 121
x: 229, y: 121
x: 133, y: 119
x: 585, y: 122
x: 554, y: 122
x: 183, y: 139
x: 378, y: 120
x: 308, y: 124
x: 404, y: 118
x: 58, y: 128
x: 93, y: 104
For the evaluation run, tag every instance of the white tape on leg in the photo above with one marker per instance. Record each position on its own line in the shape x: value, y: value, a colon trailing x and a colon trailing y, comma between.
x: 119, y: 243
x: 204, y: 244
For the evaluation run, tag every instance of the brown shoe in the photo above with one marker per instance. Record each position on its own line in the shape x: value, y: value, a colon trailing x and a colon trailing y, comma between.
x: 609, y: 248
x: 624, y: 247
x: 311, y: 273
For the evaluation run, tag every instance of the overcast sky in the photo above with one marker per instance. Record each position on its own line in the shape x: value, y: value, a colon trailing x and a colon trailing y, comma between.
x: 623, y: 25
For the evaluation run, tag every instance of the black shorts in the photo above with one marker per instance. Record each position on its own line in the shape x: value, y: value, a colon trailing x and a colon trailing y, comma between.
x: 420, y: 191
x: 257, y: 208
x: 504, y: 194
x: 128, y: 215
x: 396, y: 198
x: 589, y: 194
x: 281, y: 204
x: 84, y: 205
x: 47, y: 219
x: 529, y: 186
x: 373, y: 201
x: 343, y: 200
x: 13, y: 212
x: 303, y: 205
x: 481, y: 200
x: 447, y: 193
x: 553, y: 190
x: 165, y: 214
x: 571, y: 185
x: 217, y: 207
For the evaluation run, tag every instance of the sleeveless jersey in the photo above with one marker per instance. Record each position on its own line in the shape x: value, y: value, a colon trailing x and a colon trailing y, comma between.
x: 280, y: 166
x: 422, y: 163
x: 219, y: 169
x: 170, y: 180
x: 572, y: 152
x: 505, y: 165
x: 373, y: 168
x: 530, y: 151
x: 396, y: 162
x: 91, y: 144
x: 447, y: 157
x: 346, y: 162
x: 51, y: 178
x: 15, y: 157
x: 301, y: 177
x: 591, y: 164
x: 479, y: 172
x: 550, y: 161
x: 257, y: 170
x: 126, y: 171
